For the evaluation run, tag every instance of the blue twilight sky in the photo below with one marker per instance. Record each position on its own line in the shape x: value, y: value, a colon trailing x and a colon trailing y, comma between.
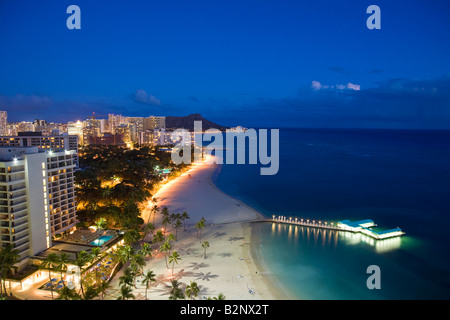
x: 249, y: 62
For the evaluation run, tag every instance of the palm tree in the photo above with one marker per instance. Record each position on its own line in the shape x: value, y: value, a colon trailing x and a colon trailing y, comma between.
x: 165, y: 211
x: 149, y: 227
x: 178, y: 225
x: 106, y: 192
x: 50, y: 262
x: 125, y: 293
x: 205, y: 245
x: 146, y: 250
x: 103, y: 287
x: 165, y: 247
x: 158, y: 237
x: 68, y: 294
x: 127, y: 279
x: 219, y: 297
x: 63, y: 260
x: 172, y: 217
x: 165, y: 221
x: 90, y: 293
x: 131, y: 236
x: 82, y: 258
x: 185, y: 216
x: 95, y: 252
x: 176, y: 293
x: 148, y: 278
x: 124, y: 254
x: 174, y: 258
x: 155, y: 210
x: 137, y: 264
x: 101, y: 224
x: 192, y: 290
x: 8, y: 258
x: 170, y: 237
x: 200, y: 226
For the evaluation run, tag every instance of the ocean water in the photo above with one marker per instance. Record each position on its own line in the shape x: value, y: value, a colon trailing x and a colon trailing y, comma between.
x: 394, y: 177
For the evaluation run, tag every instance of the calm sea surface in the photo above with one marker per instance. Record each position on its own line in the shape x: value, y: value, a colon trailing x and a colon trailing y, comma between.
x: 394, y: 177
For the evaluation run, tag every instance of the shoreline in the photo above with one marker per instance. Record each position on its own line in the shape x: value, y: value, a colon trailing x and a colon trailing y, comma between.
x: 233, y: 265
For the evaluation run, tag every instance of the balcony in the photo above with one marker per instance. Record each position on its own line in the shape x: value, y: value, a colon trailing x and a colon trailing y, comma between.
x: 22, y: 238
x: 18, y: 195
x: 21, y: 207
x: 18, y: 201
x: 17, y: 187
x: 19, y: 212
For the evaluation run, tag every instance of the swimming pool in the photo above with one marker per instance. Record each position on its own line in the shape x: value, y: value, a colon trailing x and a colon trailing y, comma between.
x: 101, y: 241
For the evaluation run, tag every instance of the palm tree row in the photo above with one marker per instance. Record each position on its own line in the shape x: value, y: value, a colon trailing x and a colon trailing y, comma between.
x: 136, y: 262
x: 8, y: 258
x: 200, y: 226
x: 59, y: 263
x: 176, y: 220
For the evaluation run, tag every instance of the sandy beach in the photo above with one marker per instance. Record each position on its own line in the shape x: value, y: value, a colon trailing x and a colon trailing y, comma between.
x: 230, y: 266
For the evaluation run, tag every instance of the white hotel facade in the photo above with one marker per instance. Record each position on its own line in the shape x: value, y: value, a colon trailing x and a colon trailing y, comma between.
x: 37, y: 197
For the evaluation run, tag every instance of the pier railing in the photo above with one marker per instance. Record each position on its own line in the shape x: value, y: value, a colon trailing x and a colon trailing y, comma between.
x: 307, y: 222
x: 322, y: 224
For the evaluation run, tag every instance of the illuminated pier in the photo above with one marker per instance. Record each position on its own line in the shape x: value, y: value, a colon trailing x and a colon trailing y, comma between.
x: 361, y: 226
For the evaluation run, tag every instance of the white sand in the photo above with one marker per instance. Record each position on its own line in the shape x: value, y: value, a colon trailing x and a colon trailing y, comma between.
x: 229, y: 267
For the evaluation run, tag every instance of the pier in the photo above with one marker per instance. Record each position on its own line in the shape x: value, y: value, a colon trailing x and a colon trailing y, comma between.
x: 361, y: 226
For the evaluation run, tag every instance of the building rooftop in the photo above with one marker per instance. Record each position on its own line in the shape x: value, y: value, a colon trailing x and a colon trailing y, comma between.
x: 16, y: 153
x: 359, y: 223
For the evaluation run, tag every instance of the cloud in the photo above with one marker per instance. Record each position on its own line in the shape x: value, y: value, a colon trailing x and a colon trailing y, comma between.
x: 142, y: 97
x: 316, y: 85
x: 352, y: 86
x: 394, y: 103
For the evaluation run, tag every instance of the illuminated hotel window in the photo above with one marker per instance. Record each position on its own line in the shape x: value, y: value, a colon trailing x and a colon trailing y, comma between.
x: 43, y: 165
x: 43, y: 173
x: 44, y: 182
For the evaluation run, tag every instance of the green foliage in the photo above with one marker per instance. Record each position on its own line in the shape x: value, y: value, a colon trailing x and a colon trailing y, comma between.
x: 68, y: 294
x: 8, y: 258
x: 192, y: 290
x: 113, y: 180
x: 205, y: 245
x: 174, y: 258
x: 176, y: 292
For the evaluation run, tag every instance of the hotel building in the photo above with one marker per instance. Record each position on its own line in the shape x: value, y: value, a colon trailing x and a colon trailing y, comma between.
x: 59, y: 142
x: 3, y: 123
x: 153, y: 122
x: 37, y: 197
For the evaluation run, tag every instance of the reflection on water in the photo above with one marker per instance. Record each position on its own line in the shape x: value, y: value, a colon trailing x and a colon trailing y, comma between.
x: 330, y: 238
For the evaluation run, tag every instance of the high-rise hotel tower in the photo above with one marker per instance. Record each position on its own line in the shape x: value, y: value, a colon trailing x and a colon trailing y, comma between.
x: 37, y: 197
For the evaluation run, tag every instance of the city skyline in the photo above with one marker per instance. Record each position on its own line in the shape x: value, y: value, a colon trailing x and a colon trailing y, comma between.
x: 294, y: 64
